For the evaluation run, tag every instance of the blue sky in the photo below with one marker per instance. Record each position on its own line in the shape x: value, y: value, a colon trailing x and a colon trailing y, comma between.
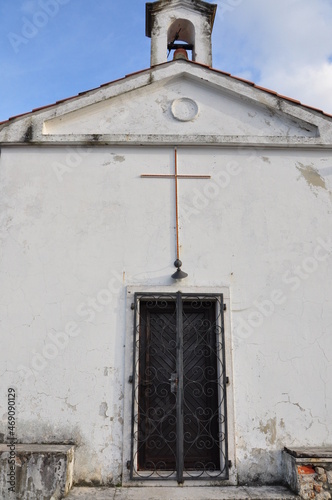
x: 53, y: 49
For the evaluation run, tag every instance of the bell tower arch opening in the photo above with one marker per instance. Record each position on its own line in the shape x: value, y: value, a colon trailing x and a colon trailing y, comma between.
x: 181, y: 35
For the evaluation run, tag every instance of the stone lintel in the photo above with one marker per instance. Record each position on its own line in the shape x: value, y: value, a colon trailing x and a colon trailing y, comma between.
x: 54, y: 449
x: 310, y: 453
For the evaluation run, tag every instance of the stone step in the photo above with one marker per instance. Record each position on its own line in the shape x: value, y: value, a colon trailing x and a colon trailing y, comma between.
x: 41, y: 471
x: 183, y: 493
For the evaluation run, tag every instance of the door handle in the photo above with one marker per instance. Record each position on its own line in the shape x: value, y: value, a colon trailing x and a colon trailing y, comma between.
x: 174, y: 382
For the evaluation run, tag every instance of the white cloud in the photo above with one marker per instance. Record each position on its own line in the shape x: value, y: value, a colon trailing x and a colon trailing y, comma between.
x: 284, y: 45
x: 309, y: 84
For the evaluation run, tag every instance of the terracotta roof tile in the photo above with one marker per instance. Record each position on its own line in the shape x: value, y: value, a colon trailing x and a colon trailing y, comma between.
x: 221, y: 72
x: 315, y: 109
x: 244, y: 80
x: 265, y: 90
x: 114, y: 81
x: 38, y: 109
x: 290, y: 99
x: 17, y: 116
x: 137, y: 72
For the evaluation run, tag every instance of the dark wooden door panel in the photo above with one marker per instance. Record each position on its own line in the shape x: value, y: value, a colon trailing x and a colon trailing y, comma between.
x: 201, y: 441
x: 157, y: 404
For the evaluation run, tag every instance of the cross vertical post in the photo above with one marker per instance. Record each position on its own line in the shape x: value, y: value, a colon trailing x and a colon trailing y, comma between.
x: 179, y: 273
x: 177, y: 205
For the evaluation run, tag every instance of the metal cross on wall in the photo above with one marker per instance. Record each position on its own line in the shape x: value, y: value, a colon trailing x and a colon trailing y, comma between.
x: 179, y: 273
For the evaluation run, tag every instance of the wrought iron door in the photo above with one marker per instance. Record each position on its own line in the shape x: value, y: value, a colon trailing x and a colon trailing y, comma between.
x: 179, y: 425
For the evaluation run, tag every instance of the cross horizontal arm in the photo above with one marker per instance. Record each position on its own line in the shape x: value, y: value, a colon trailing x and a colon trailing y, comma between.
x: 161, y: 176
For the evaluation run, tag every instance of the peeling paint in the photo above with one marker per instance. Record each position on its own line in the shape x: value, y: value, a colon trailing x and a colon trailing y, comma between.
x: 41, y: 471
x: 119, y: 158
x: 269, y: 429
x: 103, y: 409
x: 311, y: 176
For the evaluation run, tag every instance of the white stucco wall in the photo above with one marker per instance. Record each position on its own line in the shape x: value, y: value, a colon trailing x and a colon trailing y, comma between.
x: 261, y: 226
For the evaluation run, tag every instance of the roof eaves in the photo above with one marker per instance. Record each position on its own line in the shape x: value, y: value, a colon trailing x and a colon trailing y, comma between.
x: 229, y: 75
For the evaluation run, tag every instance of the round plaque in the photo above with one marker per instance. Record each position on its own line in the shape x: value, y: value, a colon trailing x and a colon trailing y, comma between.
x: 184, y: 109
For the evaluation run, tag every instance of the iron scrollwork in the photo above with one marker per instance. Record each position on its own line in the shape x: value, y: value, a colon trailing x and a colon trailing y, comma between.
x: 179, y: 426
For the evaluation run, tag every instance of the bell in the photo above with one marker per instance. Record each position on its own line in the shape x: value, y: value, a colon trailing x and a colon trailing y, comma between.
x: 179, y: 274
x: 180, y: 54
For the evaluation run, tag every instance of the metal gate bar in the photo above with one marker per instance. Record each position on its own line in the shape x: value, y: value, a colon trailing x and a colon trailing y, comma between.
x: 176, y: 381
x: 179, y: 368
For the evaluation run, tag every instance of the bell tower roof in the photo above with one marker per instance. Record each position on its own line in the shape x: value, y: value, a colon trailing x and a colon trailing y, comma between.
x: 185, y: 24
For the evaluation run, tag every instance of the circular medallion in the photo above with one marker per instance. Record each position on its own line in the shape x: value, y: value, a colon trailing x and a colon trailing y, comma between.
x: 184, y: 109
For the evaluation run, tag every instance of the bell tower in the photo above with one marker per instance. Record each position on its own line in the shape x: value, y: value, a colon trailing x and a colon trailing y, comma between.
x: 180, y: 24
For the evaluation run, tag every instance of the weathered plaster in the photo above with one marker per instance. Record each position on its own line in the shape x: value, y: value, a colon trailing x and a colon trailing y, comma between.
x: 43, y: 472
x: 312, y: 176
x: 252, y: 228
x: 118, y: 112
x: 269, y: 428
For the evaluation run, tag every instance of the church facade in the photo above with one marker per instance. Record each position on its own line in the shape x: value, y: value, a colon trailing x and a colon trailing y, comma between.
x: 166, y: 274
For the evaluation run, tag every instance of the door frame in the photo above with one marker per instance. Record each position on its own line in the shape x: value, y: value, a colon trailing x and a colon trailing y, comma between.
x: 128, y: 392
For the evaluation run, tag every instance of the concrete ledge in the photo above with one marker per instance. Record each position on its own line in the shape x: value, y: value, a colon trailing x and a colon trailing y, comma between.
x: 182, y: 493
x: 41, y: 471
x: 311, y: 453
x: 308, y: 472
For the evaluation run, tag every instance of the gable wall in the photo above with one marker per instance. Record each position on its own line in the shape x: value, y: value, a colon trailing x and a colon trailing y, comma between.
x: 79, y: 225
x: 205, y: 110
